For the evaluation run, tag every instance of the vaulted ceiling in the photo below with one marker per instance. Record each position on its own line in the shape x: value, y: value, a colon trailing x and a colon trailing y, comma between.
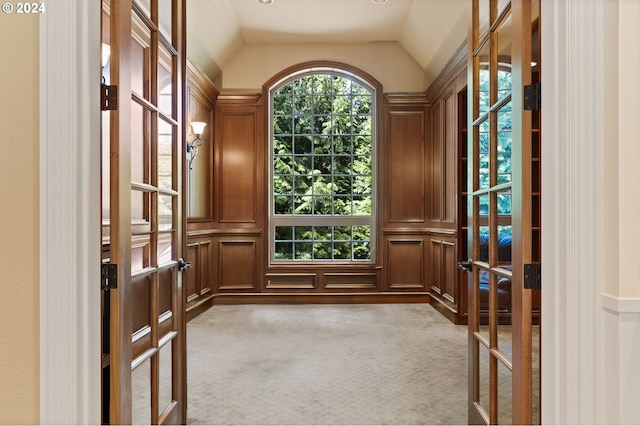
x: 429, y: 30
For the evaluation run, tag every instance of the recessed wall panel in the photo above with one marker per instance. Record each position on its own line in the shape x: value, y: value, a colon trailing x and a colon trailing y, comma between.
x: 293, y: 281
x: 405, y: 264
x: 351, y: 281
x: 405, y: 165
x: 238, y: 169
x: 237, y: 265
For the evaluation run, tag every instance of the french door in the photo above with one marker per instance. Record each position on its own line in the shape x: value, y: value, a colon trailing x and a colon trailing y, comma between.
x: 144, y: 379
x: 503, y: 198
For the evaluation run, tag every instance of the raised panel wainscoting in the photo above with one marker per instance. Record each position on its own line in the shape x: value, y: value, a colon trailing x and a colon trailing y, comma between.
x: 199, y: 280
x: 405, y: 263
x: 417, y: 231
x: 236, y: 264
x: 446, y: 145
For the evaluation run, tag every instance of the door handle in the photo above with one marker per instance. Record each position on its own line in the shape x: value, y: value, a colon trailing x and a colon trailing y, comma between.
x: 466, y: 266
x: 182, y: 265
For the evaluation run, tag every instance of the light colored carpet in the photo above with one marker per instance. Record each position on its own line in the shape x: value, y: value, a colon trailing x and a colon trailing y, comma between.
x: 326, y: 364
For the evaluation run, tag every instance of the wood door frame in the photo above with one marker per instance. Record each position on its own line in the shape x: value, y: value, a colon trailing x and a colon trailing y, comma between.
x: 518, y: 13
x: 69, y: 56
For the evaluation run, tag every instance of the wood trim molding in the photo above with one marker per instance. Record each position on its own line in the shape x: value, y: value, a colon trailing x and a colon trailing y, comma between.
x: 200, y: 233
x: 199, y: 80
x: 271, y: 298
x: 223, y: 232
x: 239, y: 98
x: 405, y: 98
x: 69, y: 213
x: 420, y: 231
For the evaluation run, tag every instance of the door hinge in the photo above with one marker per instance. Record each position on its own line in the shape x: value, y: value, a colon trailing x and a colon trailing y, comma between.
x: 108, y: 97
x: 532, y: 95
x: 109, y: 276
x: 532, y: 276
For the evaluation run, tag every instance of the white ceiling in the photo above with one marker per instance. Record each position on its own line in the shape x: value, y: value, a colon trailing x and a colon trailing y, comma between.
x: 429, y: 30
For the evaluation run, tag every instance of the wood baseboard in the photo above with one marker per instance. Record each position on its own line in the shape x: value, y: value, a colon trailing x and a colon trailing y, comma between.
x: 199, y: 307
x: 446, y: 310
x: 324, y: 298
x: 301, y: 299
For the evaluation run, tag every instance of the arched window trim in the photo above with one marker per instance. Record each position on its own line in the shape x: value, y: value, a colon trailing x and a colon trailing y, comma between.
x: 362, y: 78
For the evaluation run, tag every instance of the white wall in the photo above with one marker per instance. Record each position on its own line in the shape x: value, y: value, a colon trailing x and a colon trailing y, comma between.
x: 69, y: 209
x: 387, y: 62
x: 591, y: 193
x: 621, y: 297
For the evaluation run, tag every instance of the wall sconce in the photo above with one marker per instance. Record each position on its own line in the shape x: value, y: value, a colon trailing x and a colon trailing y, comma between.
x: 197, y: 127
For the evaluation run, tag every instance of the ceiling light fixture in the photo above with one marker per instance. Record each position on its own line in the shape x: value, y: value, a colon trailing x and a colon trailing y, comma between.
x: 378, y: 1
x: 265, y: 1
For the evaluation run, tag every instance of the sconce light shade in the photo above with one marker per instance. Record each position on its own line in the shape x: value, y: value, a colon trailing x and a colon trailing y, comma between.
x: 197, y: 127
x: 106, y: 52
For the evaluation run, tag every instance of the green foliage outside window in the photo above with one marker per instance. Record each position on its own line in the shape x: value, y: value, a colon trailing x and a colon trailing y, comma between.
x: 504, y: 141
x: 322, y: 166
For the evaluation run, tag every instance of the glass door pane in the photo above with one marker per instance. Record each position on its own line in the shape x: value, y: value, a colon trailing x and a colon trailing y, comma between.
x: 496, y: 325
x: 505, y: 172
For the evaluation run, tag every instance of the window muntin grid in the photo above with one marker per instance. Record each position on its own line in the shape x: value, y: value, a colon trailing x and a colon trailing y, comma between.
x: 326, y: 243
x: 322, y: 162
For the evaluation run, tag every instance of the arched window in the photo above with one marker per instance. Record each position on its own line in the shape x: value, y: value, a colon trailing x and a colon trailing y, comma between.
x: 322, y: 155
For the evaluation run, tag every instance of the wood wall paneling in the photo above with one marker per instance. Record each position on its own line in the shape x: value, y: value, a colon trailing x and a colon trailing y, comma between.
x: 200, y: 176
x: 443, y: 159
x: 236, y: 263
x: 290, y: 281
x: 325, y: 278
x: 435, y: 160
x: 205, y: 258
x: 405, y: 263
x: 199, y: 277
x: 436, y: 266
x: 450, y: 160
x: 341, y: 281
x: 445, y: 145
x: 191, y: 276
x: 238, y: 181
x: 239, y: 162
x: 444, y: 276
x: 201, y: 293
x: 404, y: 160
x: 449, y: 271
x: 201, y: 96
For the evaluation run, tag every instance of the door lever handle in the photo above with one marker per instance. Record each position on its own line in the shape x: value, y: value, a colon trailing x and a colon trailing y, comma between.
x: 466, y: 266
x: 182, y: 265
